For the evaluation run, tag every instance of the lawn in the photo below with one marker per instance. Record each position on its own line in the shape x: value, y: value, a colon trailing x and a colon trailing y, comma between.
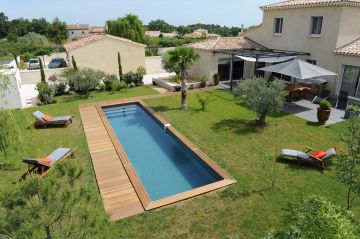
x: 226, y: 134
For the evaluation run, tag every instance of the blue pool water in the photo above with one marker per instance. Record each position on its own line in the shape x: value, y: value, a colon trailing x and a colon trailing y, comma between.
x: 162, y: 162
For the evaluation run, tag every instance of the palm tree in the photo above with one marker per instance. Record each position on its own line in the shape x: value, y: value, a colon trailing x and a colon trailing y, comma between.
x: 179, y: 61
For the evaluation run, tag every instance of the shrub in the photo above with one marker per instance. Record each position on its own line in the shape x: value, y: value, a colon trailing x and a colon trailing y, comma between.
x: 353, y: 108
x: 204, y: 101
x: 141, y: 70
x: 46, y: 93
x: 60, y: 88
x: 216, y: 78
x: 132, y: 78
x: 325, y: 105
x: 84, y: 81
x: 117, y: 85
x: 52, y: 78
x: 108, y: 80
x: 261, y: 96
x: 67, y: 73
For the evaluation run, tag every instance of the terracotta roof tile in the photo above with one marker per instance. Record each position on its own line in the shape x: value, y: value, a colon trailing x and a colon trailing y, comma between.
x: 226, y: 43
x: 78, y: 27
x: 291, y: 4
x: 93, y: 38
x: 350, y: 49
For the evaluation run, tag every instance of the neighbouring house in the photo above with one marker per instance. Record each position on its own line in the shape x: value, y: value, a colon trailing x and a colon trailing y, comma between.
x: 77, y: 30
x: 158, y: 34
x: 213, y: 58
x: 96, y: 30
x: 100, y: 52
x: 201, y: 33
x: 152, y: 33
x: 327, y: 29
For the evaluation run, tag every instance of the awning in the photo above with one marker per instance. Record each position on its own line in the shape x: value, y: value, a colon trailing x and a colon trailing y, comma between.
x: 267, y: 59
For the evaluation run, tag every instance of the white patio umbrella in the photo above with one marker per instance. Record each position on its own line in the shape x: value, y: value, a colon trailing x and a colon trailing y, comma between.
x: 299, y: 69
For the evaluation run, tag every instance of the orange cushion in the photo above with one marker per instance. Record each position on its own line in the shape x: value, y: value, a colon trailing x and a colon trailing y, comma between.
x: 45, y: 160
x: 318, y: 154
x: 46, y: 117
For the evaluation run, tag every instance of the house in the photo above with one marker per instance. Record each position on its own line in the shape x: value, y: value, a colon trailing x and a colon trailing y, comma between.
x: 322, y: 32
x: 212, y: 60
x: 152, y: 33
x: 100, y: 52
x: 96, y: 30
x: 77, y: 30
x: 327, y: 29
x: 170, y: 34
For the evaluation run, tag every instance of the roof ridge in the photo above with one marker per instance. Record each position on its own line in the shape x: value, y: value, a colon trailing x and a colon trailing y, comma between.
x: 215, y: 43
x: 349, y: 43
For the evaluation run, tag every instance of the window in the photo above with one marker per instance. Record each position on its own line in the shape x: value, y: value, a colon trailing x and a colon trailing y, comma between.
x: 83, y: 32
x: 316, y: 25
x: 350, y: 82
x: 72, y: 32
x: 311, y: 61
x: 278, y: 25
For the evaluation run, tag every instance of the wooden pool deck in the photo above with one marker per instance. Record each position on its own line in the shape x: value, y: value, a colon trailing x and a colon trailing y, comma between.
x: 118, y: 195
x: 116, y: 186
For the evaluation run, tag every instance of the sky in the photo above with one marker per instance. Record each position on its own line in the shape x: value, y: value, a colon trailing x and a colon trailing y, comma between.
x: 176, y: 12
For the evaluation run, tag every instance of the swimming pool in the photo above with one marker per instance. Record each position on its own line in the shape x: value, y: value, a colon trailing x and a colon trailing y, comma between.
x: 162, y: 165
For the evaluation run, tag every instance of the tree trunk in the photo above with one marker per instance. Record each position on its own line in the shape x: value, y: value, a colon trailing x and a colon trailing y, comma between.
x: 262, y: 121
x: 348, y: 199
x: 183, y: 89
x: 47, y: 230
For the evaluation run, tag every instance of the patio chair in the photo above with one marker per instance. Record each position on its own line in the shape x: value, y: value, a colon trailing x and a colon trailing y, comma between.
x: 43, y: 165
x: 342, y: 100
x: 323, y: 96
x: 311, y: 156
x: 45, y: 120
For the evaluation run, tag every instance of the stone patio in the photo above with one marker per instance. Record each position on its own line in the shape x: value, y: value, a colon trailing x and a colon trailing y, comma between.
x: 306, y: 110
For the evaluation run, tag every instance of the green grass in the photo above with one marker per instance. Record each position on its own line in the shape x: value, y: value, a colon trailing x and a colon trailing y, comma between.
x: 225, y: 132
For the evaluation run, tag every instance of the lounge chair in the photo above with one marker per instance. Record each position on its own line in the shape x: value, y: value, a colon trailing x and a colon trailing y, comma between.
x: 45, y: 120
x: 42, y: 165
x: 323, y: 96
x: 311, y: 156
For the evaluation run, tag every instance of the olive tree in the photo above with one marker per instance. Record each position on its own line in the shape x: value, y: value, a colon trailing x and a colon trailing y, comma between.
x: 57, y: 206
x: 316, y: 217
x: 262, y: 96
x: 85, y: 80
x: 348, y: 164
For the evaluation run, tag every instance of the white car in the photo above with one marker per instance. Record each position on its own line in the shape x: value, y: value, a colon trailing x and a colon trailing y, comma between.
x: 33, y: 64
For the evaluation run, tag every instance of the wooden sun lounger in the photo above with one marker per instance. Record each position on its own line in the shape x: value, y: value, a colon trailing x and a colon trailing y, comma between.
x: 37, y: 166
x: 54, y: 121
x: 306, y: 157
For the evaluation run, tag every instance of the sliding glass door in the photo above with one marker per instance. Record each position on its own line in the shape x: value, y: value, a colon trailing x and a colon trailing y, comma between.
x: 351, y: 81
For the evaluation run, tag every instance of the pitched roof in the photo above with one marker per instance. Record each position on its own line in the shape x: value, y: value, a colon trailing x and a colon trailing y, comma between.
x: 350, y: 49
x: 226, y: 43
x: 78, y: 27
x: 97, y: 30
x: 93, y: 38
x: 291, y: 4
x: 152, y: 33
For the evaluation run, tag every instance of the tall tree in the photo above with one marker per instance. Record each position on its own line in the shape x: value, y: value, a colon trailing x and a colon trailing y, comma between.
x: 39, y: 26
x: 160, y: 25
x: 57, y: 206
x: 261, y: 96
x: 57, y: 31
x: 119, y: 64
x: 179, y: 60
x: 348, y: 164
x: 4, y: 25
x: 42, y: 73
x: 20, y: 26
x: 74, y: 63
x: 129, y: 27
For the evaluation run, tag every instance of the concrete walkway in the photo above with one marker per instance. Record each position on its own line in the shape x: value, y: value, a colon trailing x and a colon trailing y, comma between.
x: 306, y: 110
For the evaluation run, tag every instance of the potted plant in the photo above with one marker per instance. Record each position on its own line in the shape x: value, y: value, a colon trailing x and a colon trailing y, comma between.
x: 216, y: 78
x: 352, y: 111
x: 323, y: 111
x: 203, y: 81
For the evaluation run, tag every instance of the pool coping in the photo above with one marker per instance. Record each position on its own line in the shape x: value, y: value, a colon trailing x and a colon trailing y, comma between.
x: 140, y: 189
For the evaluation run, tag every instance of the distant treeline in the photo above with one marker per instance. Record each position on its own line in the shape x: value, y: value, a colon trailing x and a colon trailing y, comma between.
x: 161, y: 25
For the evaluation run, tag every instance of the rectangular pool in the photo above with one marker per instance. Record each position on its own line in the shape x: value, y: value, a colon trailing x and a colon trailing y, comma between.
x: 164, y: 164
